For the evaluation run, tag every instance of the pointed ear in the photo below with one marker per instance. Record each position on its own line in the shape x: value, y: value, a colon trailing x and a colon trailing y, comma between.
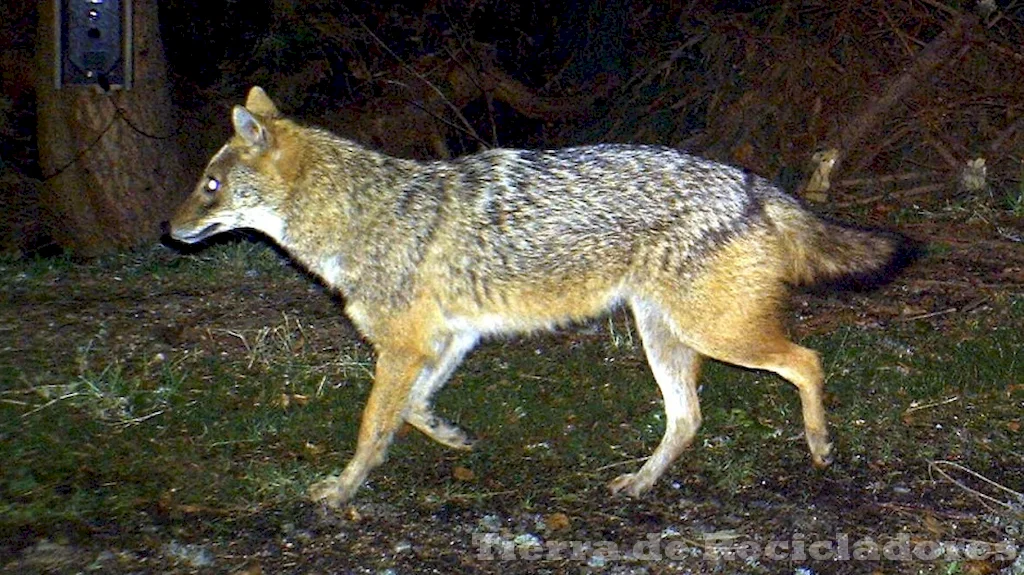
x: 249, y: 128
x: 258, y: 102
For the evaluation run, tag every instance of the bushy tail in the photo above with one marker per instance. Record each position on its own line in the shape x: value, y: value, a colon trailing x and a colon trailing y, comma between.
x: 822, y: 252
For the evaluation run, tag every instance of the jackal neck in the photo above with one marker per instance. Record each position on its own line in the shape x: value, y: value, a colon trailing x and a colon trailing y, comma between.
x: 358, y: 219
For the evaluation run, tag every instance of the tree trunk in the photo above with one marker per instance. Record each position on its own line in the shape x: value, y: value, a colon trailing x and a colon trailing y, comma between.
x: 110, y: 159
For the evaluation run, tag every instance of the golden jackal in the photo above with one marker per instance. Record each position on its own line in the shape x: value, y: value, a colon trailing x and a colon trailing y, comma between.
x: 432, y: 256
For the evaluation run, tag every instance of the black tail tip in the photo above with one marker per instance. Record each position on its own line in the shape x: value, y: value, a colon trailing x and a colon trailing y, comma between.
x: 908, y: 251
x: 905, y: 252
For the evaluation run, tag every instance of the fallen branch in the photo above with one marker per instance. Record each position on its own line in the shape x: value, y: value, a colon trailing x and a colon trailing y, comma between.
x: 880, y: 180
x: 938, y: 51
x: 919, y: 190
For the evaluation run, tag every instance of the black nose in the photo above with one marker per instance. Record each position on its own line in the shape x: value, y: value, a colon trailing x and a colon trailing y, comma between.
x: 165, y: 228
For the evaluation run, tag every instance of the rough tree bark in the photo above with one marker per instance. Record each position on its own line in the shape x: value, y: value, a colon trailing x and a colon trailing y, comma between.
x: 113, y: 172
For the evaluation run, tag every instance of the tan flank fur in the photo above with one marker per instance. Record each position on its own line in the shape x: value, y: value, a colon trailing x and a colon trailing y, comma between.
x: 432, y: 256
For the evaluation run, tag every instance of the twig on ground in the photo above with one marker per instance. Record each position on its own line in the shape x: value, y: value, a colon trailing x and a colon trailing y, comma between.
x: 1017, y: 498
x: 52, y: 402
x: 930, y: 314
x: 622, y: 463
x: 922, y: 406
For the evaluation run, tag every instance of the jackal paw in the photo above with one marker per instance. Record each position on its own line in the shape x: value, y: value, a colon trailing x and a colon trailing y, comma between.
x: 821, y: 449
x: 822, y: 457
x: 441, y: 431
x: 331, y: 491
x: 631, y: 484
x: 455, y: 438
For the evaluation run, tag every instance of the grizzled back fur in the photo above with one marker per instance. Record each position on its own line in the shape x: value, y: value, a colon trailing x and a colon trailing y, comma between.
x: 529, y: 215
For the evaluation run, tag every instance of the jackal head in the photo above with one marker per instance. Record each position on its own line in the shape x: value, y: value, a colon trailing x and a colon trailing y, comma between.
x: 242, y: 186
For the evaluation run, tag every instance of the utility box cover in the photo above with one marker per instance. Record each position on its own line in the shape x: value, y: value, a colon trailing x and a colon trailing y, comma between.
x: 94, y: 43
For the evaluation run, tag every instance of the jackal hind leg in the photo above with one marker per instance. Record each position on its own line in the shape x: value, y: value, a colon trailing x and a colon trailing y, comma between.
x: 675, y: 367
x: 397, y: 370
x: 420, y: 414
x: 802, y: 367
x: 750, y: 335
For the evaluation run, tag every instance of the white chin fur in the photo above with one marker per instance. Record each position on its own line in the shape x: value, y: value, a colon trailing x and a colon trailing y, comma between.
x: 265, y: 220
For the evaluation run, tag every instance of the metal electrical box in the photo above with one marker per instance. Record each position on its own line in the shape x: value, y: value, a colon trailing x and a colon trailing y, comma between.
x: 94, y: 43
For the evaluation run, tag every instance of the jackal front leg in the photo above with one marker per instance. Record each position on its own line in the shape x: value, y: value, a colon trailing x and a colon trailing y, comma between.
x: 385, y: 410
x: 675, y: 367
x: 421, y: 416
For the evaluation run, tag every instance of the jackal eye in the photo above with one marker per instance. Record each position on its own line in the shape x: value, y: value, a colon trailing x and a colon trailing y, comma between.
x: 212, y: 185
